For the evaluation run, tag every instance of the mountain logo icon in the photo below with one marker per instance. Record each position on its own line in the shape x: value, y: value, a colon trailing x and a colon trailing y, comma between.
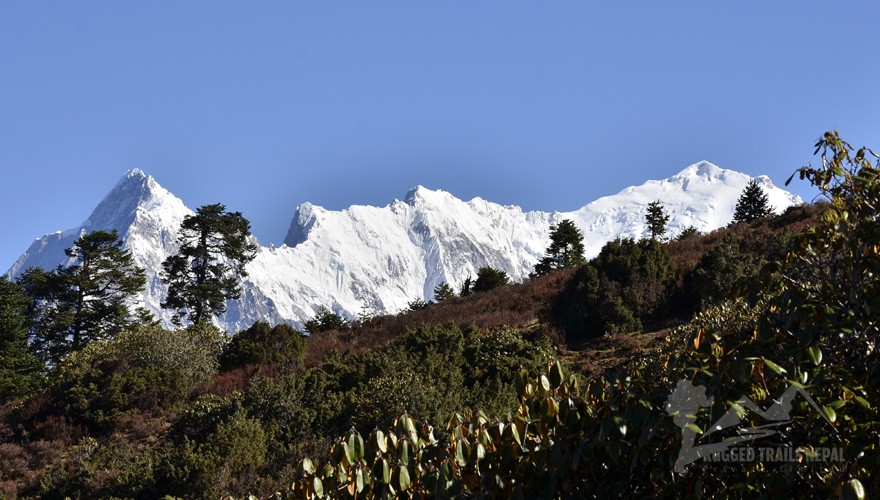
x: 687, y: 399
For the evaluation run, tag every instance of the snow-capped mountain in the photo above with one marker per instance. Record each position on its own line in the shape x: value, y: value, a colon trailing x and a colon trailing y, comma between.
x: 380, y: 258
x: 144, y: 214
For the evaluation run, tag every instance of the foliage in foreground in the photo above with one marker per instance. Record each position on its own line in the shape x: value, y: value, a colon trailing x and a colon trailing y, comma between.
x: 809, y: 321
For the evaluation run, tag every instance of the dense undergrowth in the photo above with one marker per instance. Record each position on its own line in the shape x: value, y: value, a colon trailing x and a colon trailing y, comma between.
x: 557, y: 387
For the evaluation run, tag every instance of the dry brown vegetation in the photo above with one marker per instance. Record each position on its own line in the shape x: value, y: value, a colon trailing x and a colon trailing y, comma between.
x: 528, y: 305
x: 523, y: 305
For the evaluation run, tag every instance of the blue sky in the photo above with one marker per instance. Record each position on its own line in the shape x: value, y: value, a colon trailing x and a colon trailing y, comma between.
x: 548, y: 105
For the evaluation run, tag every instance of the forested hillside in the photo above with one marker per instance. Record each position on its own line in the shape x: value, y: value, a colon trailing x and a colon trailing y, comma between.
x: 559, y: 386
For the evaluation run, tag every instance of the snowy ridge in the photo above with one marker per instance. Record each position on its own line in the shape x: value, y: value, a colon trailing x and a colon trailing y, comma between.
x: 380, y: 258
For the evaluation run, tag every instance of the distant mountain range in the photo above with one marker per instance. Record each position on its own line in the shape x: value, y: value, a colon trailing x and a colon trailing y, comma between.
x: 379, y: 258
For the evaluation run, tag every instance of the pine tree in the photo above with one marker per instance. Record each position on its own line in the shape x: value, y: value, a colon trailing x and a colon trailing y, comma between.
x: 443, y: 292
x: 752, y: 204
x: 566, y: 248
x: 489, y: 278
x: 466, y: 287
x: 417, y: 304
x: 325, y: 321
x: 688, y: 232
x: 19, y: 368
x: 656, y: 219
x: 364, y: 314
x: 214, y: 251
x: 86, y: 301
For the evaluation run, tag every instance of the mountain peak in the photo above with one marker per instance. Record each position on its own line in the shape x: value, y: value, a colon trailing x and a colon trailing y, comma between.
x: 701, y: 169
x: 421, y: 194
x: 304, y: 219
x: 415, y: 193
x: 136, y: 173
x: 117, y: 209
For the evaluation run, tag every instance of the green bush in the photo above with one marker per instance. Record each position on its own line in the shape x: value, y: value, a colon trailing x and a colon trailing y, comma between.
x: 628, y: 285
x: 325, y: 321
x: 717, y: 272
x: 489, y: 278
x: 261, y: 344
x: 228, y: 462
x: 145, y: 368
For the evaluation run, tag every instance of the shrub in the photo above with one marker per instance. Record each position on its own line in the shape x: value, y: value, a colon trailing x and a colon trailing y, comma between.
x: 145, y: 368
x: 489, y: 278
x: 262, y: 344
x: 325, y: 321
x: 629, y: 284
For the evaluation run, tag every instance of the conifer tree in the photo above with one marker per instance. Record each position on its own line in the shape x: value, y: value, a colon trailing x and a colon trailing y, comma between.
x: 86, y: 301
x: 656, y: 219
x: 688, y: 232
x: 325, y: 321
x: 417, y: 304
x: 443, y: 292
x: 752, y: 204
x: 19, y: 368
x: 566, y: 248
x: 466, y: 287
x: 489, y: 278
x: 214, y: 251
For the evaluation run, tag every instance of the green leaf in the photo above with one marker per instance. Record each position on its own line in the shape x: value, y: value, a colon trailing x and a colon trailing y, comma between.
x: 461, y: 453
x: 863, y: 402
x: 480, y: 452
x: 381, y: 445
x: 359, y: 480
x: 386, y: 471
x: 404, y: 479
x: 556, y: 375
x: 853, y: 490
x: 830, y: 414
x: 694, y: 428
x: 545, y: 383
x: 403, y: 451
x: 356, y: 444
x: 773, y: 366
x: 348, y: 447
x: 815, y: 355
x: 515, y: 432
x: 307, y: 466
x: 318, y: 486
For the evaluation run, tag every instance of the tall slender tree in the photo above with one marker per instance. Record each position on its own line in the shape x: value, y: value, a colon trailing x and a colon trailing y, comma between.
x: 206, y: 271
x: 466, y: 287
x: 566, y: 248
x: 85, y: 301
x: 656, y: 219
x: 752, y: 204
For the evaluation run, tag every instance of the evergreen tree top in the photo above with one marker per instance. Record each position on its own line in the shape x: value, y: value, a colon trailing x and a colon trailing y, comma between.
x: 752, y: 204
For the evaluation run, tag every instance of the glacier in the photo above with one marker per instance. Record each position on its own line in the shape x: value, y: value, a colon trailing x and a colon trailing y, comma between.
x: 378, y: 259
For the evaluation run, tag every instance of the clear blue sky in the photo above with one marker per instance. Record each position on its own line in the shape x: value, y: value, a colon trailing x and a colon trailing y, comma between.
x: 548, y: 105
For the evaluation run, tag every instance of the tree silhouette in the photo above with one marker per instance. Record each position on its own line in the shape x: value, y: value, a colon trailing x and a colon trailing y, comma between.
x: 752, y: 204
x: 85, y: 301
x: 212, y: 257
x: 656, y: 219
x: 566, y: 248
